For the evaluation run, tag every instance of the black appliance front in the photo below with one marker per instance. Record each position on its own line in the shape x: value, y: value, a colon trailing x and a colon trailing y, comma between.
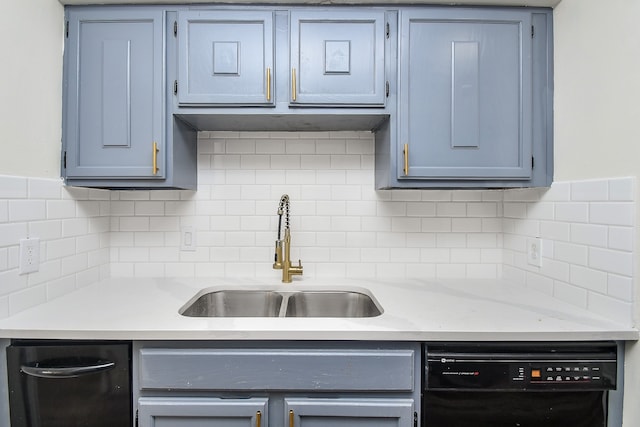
x: 69, y: 384
x: 518, y: 385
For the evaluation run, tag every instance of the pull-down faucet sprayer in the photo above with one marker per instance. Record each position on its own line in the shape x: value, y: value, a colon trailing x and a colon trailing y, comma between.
x: 282, y: 259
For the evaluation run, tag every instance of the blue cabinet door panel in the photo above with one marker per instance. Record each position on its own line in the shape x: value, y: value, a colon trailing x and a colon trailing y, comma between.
x: 337, y: 57
x: 349, y: 412
x: 465, y: 95
x: 115, y: 90
x: 202, y: 412
x: 225, y: 57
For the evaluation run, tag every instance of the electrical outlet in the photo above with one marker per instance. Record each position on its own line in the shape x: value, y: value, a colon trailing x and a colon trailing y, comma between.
x: 534, y: 251
x: 29, y: 255
x: 188, y: 238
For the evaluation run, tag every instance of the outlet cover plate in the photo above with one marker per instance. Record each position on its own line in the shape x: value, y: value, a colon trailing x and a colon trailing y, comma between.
x: 187, y: 238
x: 29, y: 255
x: 534, y: 251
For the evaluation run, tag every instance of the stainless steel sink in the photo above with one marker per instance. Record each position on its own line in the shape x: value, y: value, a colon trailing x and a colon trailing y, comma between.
x: 281, y: 303
x: 234, y: 303
x: 331, y: 304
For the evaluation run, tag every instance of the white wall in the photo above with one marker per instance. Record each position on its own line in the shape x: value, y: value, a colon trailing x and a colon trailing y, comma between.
x: 597, y: 89
x: 31, y: 42
x: 596, y: 112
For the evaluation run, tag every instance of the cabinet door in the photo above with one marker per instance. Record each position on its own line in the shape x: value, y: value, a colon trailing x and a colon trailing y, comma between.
x: 202, y: 412
x: 225, y: 57
x: 337, y: 57
x: 465, y: 95
x: 114, y: 94
x: 349, y: 412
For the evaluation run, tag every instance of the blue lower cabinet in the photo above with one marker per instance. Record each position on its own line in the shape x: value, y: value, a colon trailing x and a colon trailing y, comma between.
x: 346, y: 412
x: 202, y: 412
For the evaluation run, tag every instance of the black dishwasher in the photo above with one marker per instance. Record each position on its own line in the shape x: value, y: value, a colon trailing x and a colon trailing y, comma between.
x: 69, y: 384
x: 518, y: 384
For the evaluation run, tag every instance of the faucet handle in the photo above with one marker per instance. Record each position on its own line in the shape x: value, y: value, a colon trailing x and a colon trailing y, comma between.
x: 277, y: 257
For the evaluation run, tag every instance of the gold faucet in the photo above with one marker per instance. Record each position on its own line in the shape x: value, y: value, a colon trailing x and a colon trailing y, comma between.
x: 283, y: 246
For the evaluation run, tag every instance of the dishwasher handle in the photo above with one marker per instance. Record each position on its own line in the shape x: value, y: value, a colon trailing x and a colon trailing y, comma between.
x: 66, y: 371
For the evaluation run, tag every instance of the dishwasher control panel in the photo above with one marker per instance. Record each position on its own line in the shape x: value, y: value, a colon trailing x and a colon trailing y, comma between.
x: 523, y: 367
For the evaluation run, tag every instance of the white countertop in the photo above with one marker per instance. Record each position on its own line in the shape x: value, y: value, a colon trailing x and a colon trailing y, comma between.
x: 469, y: 310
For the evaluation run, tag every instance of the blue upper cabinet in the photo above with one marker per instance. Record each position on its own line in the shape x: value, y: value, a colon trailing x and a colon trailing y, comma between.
x: 465, y: 103
x: 225, y: 57
x: 337, y: 57
x: 114, y: 111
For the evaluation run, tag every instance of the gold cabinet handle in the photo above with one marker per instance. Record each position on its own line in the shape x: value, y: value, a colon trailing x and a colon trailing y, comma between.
x: 155, y: 158
x: 291, y: 418
x: 406, y: 159
x: 268, y: 84
x: 293, y: 84
x: 258, y: 418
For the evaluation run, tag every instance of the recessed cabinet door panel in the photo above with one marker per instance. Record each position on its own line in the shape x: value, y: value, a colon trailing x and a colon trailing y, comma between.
x: 202, y: 412
x: 225, y: 57
x: 115, y: 90
x: 337, y: 58
x: 344, y: 412
x: 466, y: 95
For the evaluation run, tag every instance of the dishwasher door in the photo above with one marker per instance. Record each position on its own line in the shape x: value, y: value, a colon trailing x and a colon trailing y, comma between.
x: 518, y: 384
x: 70, y: 384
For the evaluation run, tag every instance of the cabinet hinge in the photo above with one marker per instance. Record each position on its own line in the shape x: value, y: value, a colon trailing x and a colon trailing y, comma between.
x: 415, y: 419
x: 533, y: 162
x: 386, y: 88
x: 136, y: 418
x: 66, y: 29
x: 388, y: 30
x: 175, y: 87
x: 64, y: 160
x: 175, y: 28
x: 533, y: 31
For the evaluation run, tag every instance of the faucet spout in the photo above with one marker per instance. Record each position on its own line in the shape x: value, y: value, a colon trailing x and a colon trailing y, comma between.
x: 282, y: 259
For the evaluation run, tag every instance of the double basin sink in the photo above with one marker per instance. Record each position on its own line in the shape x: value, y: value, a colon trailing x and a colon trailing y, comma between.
x: 281, y: 303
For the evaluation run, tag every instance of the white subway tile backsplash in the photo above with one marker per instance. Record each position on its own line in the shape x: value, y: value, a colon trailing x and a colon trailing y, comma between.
x: 571, y: 294
x: 451, y: 209
x: 612, y: 213
x: 621, y: 189
x: 617, y: 262
x: 621, y: 238
x: 340, y: 225
x: 620, y: 287
x: 589, y: 279
x: 405, y: 225
x: 572, y: 212
x: 551, y: 230
x: 515, y: 210
x: 558, y: 192
x: 484, y: 210
x: 539, y: 282
x: 590, y: 190
x: 571, y: 253
x: 466, y: 225
x: 27, y: 210
x: 589, y: 234
x: 13, y: 187
x: 75, y: 227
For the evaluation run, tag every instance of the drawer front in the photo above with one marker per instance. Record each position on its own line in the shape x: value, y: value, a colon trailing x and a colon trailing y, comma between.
x: 291, y: 369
